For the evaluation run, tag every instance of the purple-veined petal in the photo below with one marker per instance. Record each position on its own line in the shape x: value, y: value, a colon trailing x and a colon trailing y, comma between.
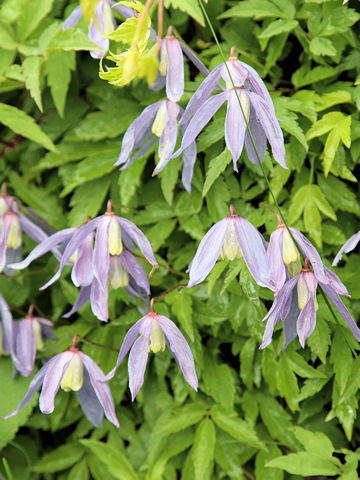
x: 194, y: 59
x: 139, y: 238
x: 180, y: 349
x: 128, y: 341
x: 309, y: 251
x: 12, y: 256
x: 74, y: 243
x: 138, y: 358
x: 253, y: 250
x: 72, y: 19
x: 335, y: 282
x: 202, y: 116
x: 82, y: 298
x: 238, y: 74
x: 97, y: 29
x: 235, y: 127
x: 341, y: 308
x: 6, y: 225
x: 306, y: 321
x: 189, y: 158
x: 126, y: 12
x: 275, y: 259
x: 31, y: 229
x: 44, y: 247
x: 25, y: 347
x: 271, y: 128
x: 34, y: 386
x: 175, y: 69
x: 52, y: 379
x: 134, y: 268
x: 101, y: 388
x: 7, y: 326
x: 208, y: 252
x: 140, y: 124
x: 201, y: 94
x: 82, y: 272
x: 348, y: 246
x: 89, y: 402
x: 290, y: 330
x: 259, y: 138
x: 258, y: 85
x: 273, y: 315
x: 99, y: 301
x: 168, y: 137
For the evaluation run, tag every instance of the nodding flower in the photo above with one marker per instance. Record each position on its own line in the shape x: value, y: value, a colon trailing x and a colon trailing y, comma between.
x: 348, y: 246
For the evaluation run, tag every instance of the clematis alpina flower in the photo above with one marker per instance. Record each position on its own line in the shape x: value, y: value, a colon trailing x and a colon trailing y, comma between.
x: 103, y: 22
x: 6, y: 328
x: 232, y: 237
x: 283, y: 255
x: 92, y: 264
x: 256, y: 106
x: 295, y: 304
x: 67, y: 371
x: 348, y: 246
x: 13, y: 224
x: 155, y: 332
x: 28, y: 338
x: 160, y: 120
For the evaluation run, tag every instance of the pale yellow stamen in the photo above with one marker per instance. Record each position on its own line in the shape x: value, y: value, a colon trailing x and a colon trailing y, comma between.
x: 108, y: 18
x: 36, y: 326
x: 291, y: 254
x: 157, y: 338
x: 159, y: 122
x: 245, y: 102
x: 14, y: 239
x: 231, y: 248
x: 74, y: 256
x: 115, y: 243
x: 163, y: 65
x: 73, y: 377
x: 3, y: 206
x: 118, y: 276
x: 303, y: 292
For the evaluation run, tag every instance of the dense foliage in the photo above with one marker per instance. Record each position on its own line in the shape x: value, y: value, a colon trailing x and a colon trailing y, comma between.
x: 263, y: 414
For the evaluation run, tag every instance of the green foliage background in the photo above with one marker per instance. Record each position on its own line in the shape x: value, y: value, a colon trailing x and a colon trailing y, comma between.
x: 258, y: 414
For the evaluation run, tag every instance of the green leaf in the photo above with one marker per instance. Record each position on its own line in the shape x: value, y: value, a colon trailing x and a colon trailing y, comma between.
x: 58, y: 68
x: 115, y: 461
x: 304, y: 464
x: 289, y: 123
x: 226, y: 419
x: 303, y: 76
x: 287, y: 383
x: 31, y: 14
x: 315, y: 442
x: 219, y: 382
x: 322, y: 46
x: 129, y: 180
x: 71, y: 40
x: 339, y: 194
x: 255, y: 9
x: 60, y: 458
x: 189, y: 7
x: 158, y: 234
x: 31, y: 70
x: 178, y: 418
x: 235, y: 267
x: 247, y: 361
x: 79, y: 471
x: 300, y: 366
x: 181, y: 306
x: 261, y: 468
x: 332, y: 98
x: 24, y: 125
x: 203, y: 447
x: 168, y: 179
x: 341, y: 358
x: 216, y: 167
x: 7, y: 40
x: 215, y: 273
x: 278, y: 27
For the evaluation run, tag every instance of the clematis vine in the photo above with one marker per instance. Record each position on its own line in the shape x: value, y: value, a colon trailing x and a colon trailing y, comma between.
x: 348, y: 246
x: 232, y: 237
x: 295, y: 304
x: 13, y: 224
x: 101, y: 23
x: 156, y: 331
x: 256, y: 107
x: 99, y: 259
x: 28, y: 338
x: 67, y: 371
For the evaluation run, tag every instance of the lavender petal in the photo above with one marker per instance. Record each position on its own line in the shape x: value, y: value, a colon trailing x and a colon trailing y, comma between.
x: 235, y: 127
x: 194, y: 59
x: 99, y: 300
x: 82, y: 273
x: 175, y: 70
x: 309, y: 251
x: 134, y: 268
x: 138, y: 358
x: 72, y: 19
x: 307, y: 319
x: 25, y: 348
x: 139, y: 238
x: 259, y: 138
x: 7, y: 326
x: 89, y: 402
x: 168, y: 137
x: 82, y: 298
x: 275, y: 259
x: 348, y: 246
x: 5, y: 230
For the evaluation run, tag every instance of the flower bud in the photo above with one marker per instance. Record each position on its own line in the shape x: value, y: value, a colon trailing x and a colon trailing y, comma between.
x: 37, y: 334
x: 157, y: 338
x: 159, y: 122
x: 231, y: 248
x: 73, y: 376
x: 115, y: 243
x: 118, y: 276
x: 14, y: 239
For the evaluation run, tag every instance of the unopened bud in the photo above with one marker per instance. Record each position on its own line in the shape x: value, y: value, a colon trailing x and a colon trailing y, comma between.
x: 118, y: 276
x: 14, y: 239
x: 231, y: 248
x: 157, y: 338
x: 159, y: 122
x: 73, y: 376
x: 115, y: 243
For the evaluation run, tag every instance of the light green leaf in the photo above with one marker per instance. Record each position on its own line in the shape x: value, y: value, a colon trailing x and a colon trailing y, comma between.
x: 278, y: 27
x: 203, y: 447
x: 31, y: 14
x: 168, y: 179
x: 332, y: 98
x: 255, y: 9
x: 181, y: 306
x: 315, y: 442
x: 235, y: 267
x: 79, y: 471
x: 216, y: 167
x: 341, y: 358
x: 322, y: 46
x: 158, y: 234
x: 303, y: 76
x: 219, y: 382
x: 7, y: 40
x: 247, y: 361
x: 188, y: 6
x: 178, y: 418
x: 71, y: 40
x: 60, y: 458
x: 24, y: 125
x: 287, y: 383
x: 58, y: 68
x: 300, y: 366
x: 31, y: 70
x: 215, y: 273
x: 304, y: 464
x: 129, y: 180
x: 115, y: 461
x: 226, y: 419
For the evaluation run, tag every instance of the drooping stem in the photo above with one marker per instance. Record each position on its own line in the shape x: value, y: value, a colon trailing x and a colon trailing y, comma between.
x: 74, y: 341
x: 141, y: 21
x: 160, y: 19
x: 31, y: 310
x: 154, y: 299
x: 100, y: 345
